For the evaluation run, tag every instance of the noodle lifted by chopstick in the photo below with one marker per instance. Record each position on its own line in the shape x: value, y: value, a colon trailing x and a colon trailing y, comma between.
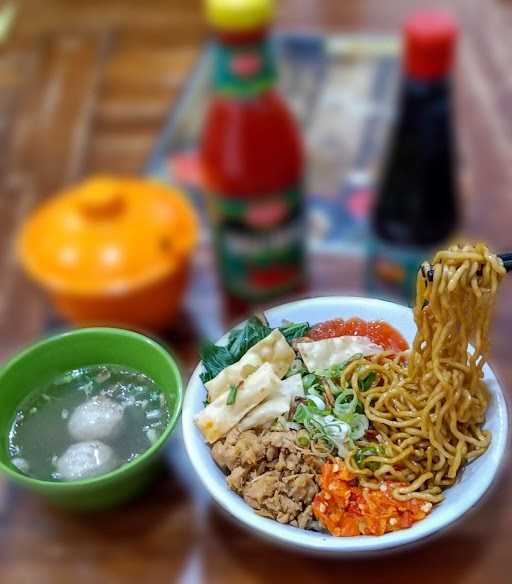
x: 428, y: 415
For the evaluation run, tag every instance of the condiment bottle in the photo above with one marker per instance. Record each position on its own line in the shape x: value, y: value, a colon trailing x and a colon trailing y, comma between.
x: 252, y: 159
x: 416, y: 207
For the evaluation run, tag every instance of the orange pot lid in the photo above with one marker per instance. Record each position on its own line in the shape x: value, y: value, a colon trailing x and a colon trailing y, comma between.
x: 108, y: 235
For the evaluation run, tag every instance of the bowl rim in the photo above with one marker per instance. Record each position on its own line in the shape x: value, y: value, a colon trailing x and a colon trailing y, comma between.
x: 124, y: 469
x: 330, y: 545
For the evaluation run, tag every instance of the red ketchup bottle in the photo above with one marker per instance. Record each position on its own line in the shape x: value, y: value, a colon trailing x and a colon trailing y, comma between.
x: 252, y: 159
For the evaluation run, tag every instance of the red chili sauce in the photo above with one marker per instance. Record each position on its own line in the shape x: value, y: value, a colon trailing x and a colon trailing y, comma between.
x: 378, y: 331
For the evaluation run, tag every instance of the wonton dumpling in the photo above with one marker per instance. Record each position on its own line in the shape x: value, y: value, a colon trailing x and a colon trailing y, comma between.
x: 85, y: 460
x: 218, y: 418
x: 97, y: 419
x: 276, y: 404
x: 273, y: 349
x: 334, y: 351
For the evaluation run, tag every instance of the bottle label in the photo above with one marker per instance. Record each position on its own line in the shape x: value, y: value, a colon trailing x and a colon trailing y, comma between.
x: 259, y: 242
x: 243, y: 71
x: 392, y: 270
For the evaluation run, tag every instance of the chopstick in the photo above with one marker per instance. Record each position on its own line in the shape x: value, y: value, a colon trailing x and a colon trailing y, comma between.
x: 506, y: 258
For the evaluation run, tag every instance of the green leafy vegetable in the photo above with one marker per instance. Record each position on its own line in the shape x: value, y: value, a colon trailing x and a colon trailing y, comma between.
x: 366, y: 383
x: 363, y: 453
x: 214, y: 359
x: 232, y: 393
x: 294, y: 330
x: 242, y: 339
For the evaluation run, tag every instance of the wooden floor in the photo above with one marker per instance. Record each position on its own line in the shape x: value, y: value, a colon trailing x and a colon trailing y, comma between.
x: 85, y: 86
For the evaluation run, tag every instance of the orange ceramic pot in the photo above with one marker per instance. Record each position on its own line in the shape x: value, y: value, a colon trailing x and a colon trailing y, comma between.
x: 112, y: 251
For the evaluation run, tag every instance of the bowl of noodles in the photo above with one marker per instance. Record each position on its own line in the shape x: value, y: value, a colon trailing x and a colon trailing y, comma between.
x: 347, y: 425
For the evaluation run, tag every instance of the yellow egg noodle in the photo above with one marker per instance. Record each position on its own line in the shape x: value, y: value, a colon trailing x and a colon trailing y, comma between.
x: 427, y: 408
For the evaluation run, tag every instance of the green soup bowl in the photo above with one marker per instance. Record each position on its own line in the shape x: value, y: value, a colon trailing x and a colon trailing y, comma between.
x: 42, y: 362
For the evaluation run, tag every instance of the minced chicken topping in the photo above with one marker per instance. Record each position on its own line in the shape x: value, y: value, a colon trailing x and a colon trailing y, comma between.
x: 272, y: 473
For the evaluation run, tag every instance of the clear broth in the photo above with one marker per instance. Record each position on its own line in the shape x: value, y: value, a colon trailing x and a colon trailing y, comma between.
x: 39, y: 433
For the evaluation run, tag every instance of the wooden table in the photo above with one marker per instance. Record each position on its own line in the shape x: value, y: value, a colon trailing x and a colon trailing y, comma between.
x: 85, y: 87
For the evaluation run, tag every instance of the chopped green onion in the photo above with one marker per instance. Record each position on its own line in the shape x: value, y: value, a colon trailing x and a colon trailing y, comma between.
x: 359, y: 425
x: 366, y: 383
x: 301, y: 414
x: 335, y: 389
x: 308, y: 381
x: 303, y: 441
x: 335, y: 370
x: 67, y: 378
x: 363, y: 453
x: 345, y: 404
x: 231, y: 395
x: 296, y: 367
x: 322, y: 425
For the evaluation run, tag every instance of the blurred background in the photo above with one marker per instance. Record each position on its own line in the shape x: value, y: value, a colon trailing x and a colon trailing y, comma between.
x: 99, y: 97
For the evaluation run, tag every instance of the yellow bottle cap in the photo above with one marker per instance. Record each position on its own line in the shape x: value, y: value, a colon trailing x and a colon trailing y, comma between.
x: 239, y: 15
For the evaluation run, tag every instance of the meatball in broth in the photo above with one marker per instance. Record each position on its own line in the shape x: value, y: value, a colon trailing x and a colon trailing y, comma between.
x: 85, y: 460
x: 87, y: 422
x: 97, y: 419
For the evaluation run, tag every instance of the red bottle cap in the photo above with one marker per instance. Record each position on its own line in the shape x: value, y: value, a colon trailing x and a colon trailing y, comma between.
x: 430, y: 39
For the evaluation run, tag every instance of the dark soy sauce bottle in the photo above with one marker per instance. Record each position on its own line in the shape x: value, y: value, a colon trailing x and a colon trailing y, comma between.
x: 416, y: 204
